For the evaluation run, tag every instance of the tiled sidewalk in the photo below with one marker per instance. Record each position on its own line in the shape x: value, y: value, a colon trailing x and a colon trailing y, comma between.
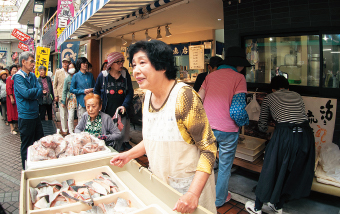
x: 10, y: 169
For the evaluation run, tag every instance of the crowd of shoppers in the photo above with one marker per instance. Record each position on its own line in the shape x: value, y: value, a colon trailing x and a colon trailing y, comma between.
x: 202, y: 123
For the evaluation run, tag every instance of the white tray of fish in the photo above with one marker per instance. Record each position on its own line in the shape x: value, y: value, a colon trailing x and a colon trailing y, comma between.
x: 122, y: 202
x: 80, y: 187
x: 54, y: 150
x: 151, y: 209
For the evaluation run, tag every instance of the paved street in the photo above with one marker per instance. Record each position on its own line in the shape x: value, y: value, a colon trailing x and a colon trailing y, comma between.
x: 10, y: 169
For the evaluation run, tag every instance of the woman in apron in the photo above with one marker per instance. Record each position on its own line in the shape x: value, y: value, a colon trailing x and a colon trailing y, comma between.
x: 177, y: 137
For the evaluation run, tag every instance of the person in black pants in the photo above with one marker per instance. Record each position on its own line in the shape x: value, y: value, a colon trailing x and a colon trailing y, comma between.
x: 27, y: 92
x: 45, y: 102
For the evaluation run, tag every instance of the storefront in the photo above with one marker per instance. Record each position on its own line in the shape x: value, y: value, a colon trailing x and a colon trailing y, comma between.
x: 300, y: 38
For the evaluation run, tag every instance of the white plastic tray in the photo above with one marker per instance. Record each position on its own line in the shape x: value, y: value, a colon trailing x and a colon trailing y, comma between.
x: 66, y: 160
x: 80, y: 178
x: 78, y: 207
x: 151, y: 209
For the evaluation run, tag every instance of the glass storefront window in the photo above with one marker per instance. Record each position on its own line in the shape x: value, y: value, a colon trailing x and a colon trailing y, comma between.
x: 295, y: 57
x: 331, y: 65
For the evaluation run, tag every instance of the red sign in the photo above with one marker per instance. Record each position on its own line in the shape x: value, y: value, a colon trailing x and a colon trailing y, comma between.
x: 20, y: 35
x: 22, y: 46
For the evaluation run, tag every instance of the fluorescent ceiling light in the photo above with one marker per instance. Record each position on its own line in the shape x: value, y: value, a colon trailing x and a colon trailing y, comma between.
x: 327, y: 49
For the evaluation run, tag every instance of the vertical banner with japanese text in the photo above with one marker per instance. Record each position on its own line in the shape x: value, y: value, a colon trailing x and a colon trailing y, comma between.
x: 321, y: 115
x: 65, y: 12
x: 42, y: 58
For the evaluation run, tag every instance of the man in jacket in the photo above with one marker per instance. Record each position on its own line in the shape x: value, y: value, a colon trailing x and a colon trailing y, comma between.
x: 58, y: 85
x: 27, y: 91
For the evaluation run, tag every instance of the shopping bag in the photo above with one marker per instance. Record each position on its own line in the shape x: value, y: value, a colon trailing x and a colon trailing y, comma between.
x: 253, y: 109
x: 117, y: 119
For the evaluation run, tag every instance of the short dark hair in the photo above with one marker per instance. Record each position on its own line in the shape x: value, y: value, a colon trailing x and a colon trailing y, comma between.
x: 90, y: 65
x: 13, y: 66
x: 159, y: 54
x: 79, y: 61
x: 42, y: 67
x: 105, y: 63
x: 215, y: 61
x: 279, y: 82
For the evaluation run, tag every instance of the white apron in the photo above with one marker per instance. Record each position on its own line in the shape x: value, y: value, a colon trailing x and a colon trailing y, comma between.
x: 170, y: 157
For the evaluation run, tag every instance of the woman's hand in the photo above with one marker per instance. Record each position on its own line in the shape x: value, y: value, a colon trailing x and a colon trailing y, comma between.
x: 122, y: 109
x: 87, y: 91
x: 121, y: 159
x: 12, y: 100
x: 62, y: 105
x: 187, y: 203
x: 44, y: 92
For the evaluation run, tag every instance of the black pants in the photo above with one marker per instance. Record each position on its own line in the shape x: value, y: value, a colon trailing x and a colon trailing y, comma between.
x: 30, y: 130
x: 42, y: 111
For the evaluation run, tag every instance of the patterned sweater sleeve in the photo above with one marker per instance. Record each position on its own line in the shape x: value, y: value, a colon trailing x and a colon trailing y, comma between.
x: 264, y: 115
x: 194, y: 126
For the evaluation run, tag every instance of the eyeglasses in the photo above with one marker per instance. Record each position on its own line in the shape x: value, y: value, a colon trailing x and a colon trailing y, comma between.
x: 120, y: 62
x: 32, y: 61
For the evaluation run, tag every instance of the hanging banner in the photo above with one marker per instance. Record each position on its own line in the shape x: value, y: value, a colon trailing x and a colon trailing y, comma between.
x: 69, y: 50
x: 30, y: 44
x: 20, y: 35
x: 23, y: 47
x: 65, y: 12
x: 42, y: 58
x: 321, y: 115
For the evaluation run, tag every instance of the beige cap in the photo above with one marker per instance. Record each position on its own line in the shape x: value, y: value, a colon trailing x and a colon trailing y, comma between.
x: 66, y: 59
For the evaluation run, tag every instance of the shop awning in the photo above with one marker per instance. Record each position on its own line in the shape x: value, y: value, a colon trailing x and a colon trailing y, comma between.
x: 99, y: 16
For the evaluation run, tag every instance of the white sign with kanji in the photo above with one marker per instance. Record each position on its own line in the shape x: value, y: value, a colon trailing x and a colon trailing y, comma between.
x: 321, y: 114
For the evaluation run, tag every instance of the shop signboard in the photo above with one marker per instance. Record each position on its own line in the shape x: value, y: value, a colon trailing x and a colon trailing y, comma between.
x: 65, y: 12
x: 69, y: 50
x: 20, y: 35
x: 196, y: 57
x: 23, y: 46
x: 321, y: 115
x: 42, y: 58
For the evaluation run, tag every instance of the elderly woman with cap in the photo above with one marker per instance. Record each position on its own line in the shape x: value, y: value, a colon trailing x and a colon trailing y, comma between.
x: 115, y: 88
x: 224, y: 99
x: 3, y: 75
x: 82, y: 84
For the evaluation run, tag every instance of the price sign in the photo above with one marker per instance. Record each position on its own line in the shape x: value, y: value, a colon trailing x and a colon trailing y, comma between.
x: 196, y: 57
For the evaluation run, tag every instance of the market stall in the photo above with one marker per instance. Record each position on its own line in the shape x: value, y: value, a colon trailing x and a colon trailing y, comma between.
x: 145, y: 190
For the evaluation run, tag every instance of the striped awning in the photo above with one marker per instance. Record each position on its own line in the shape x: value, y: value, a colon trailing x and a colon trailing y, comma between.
x: 98, y: 16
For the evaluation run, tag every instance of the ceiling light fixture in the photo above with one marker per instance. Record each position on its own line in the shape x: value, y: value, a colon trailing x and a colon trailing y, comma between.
x: 159, y: 36
x: 124, y: 42
x: 167, y: 31
x: 147, y: 37
x: 133, y: 41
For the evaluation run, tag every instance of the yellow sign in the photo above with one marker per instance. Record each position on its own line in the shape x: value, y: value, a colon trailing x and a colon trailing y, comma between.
x: 42, y: 58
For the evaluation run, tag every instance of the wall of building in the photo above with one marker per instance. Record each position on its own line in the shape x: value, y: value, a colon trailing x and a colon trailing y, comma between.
x: 277, y: 17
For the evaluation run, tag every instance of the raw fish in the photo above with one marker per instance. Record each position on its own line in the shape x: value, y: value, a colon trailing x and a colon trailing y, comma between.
x: 34, y: 194
x: 42, y: 204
